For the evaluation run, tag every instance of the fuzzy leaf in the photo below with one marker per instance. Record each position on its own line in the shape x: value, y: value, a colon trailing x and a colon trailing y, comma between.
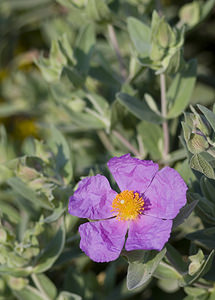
x: 181, y: 89
x: 140, y: 35
x: 60, y: 148
x: 152, y: 137
x: 199, y: 163
x: 50, y: 254
x: 138, y: 108
x: 188, y: 279
x: 22, y: 189
x: 140, y: 272
x: 209, y: 115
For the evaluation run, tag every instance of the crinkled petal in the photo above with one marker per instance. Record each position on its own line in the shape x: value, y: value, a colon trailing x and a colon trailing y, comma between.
x: 148, y: 233
x: 103, y: 240
x: 131, y: 173
x: 92, y: 199
x: 166, y: 194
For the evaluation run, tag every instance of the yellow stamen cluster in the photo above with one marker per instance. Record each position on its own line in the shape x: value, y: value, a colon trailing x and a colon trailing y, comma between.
x: 127, y: 205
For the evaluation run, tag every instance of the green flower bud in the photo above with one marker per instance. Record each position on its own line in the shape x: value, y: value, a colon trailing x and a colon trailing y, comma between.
x: 31, y: 252
x: 165, y: 35
x: 166, y: 44
x: 190, y: 13
x: 14, y: 260
x: 199, y: 122
x: 27, y: 174
x: 194, y: 267
x: 197, y: 143
x: 203, y: 126
x: 196, y: 261
x: 16, y: 283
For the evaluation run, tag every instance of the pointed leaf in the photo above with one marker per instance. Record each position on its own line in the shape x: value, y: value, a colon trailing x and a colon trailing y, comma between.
x: 139, y: 273
x: 22, y: 189
x: 199, y: 163
x: 84, y: 47
x: 138, y: 108
x: 50, y: 254
x: 209, y: 115
x: 188, y: 279
x: 184, y: 213
x: 181, y: 89
x: 152, y: 137
x: 68, y: 296
x: 140, y: 35
x: 28, y: 293
x: 60, y: 148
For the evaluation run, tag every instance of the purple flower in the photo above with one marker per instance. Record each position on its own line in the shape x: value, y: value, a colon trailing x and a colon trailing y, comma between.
x: 144, y: 209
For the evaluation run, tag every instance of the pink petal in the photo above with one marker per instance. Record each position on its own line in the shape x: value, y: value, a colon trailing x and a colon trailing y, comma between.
x: 131, y: 173
x: 92, y: 199
x: 148, y: 233
x: 166, y: 194
x: 103, y: 240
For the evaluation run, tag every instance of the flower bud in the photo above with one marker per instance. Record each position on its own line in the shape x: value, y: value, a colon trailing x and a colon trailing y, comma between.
x: 16, y: 283
x: 190, y: 13
x: 165, y: 35
x: 197, y: 143
x: 203, y: 126
x: 196, y: 261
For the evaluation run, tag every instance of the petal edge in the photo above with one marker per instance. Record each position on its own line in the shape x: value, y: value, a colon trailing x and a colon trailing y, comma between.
x: 166, y: 194
x: 148, y: 233
x: 103, y: 240
x: 92, y: 199
x: 132, y: 173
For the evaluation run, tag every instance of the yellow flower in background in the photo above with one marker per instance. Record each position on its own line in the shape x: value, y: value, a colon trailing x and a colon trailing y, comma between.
x: 24, y: 127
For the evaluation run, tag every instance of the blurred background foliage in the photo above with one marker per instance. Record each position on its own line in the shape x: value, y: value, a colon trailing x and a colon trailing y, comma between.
x: 78, y: 86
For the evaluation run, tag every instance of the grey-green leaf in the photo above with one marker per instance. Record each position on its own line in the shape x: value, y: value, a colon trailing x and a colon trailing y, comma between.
x: 209, y: 115
x: 22, y: 189
x: 28, y: 293
x: 140, y: 35
x: 181, y: 89
x: 61, y: 149
x: 184, y: 213
x: 152, y: 137
x: 199, y: 163
x: 204, y: 236
x: 138, y: 108
x: 47, y: 285
x: 84, y: 47
x: 68, y: 296
x: 139, y: 273
x: 188, y: 279
x: 50, y: 254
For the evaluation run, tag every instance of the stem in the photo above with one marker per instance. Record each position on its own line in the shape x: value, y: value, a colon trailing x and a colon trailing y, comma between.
x: 39, y: 286
x: 126, y: 143
x: 114, y: 42
x: 105, y: 140
x: 164, y: 114
x: 141, y: 147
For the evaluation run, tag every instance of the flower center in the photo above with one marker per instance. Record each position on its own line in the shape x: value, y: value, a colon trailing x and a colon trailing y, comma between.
x: 127, y: 205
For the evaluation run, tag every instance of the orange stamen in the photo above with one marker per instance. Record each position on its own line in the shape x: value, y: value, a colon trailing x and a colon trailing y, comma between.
x: 127, y: 205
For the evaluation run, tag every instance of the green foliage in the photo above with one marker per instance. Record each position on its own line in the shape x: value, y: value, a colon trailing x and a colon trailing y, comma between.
x: 79, y: 83
x: 160, y: 46
x: 141, y: 270
x: 181, y: 89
